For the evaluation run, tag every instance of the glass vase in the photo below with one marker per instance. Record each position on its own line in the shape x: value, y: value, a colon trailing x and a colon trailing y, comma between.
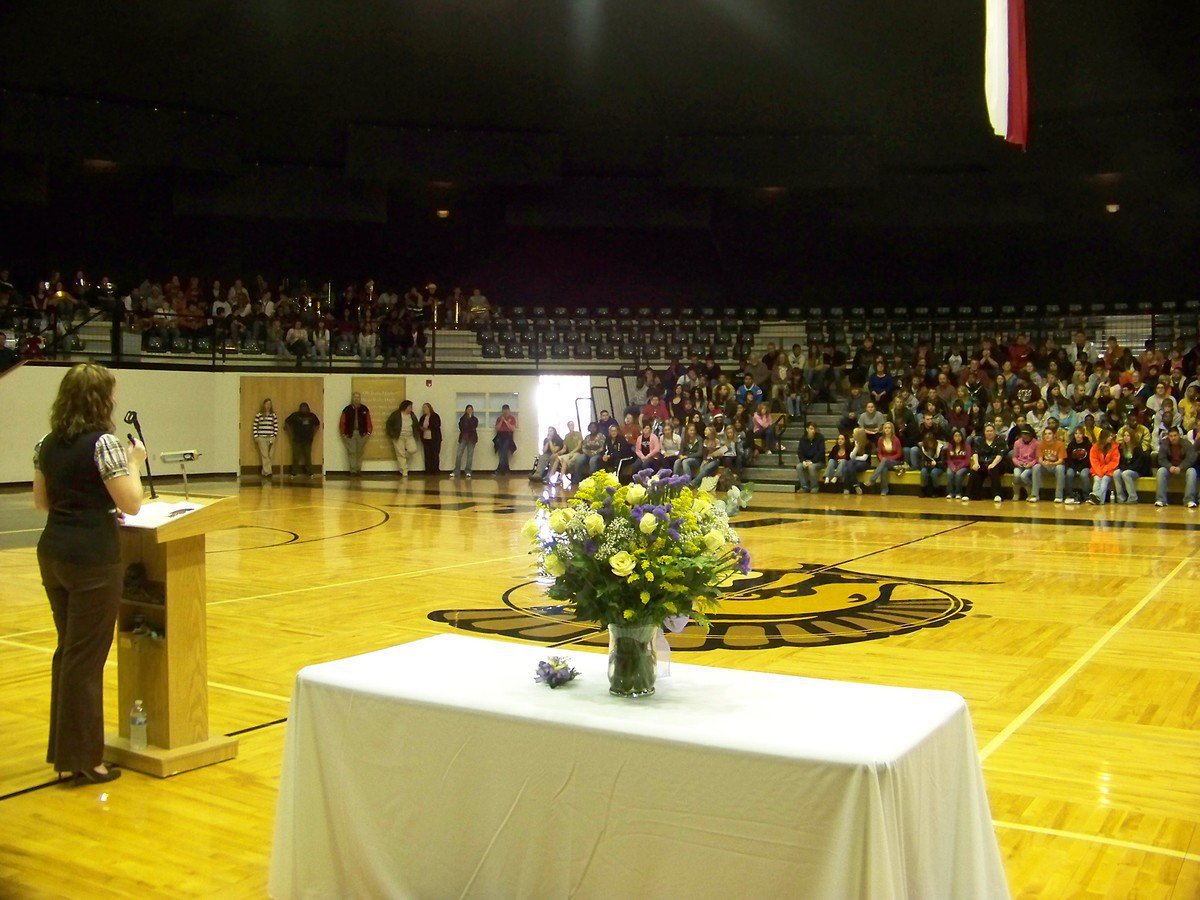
x: 632, y: 659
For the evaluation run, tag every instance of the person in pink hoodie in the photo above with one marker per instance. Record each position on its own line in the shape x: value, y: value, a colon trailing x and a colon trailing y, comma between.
x: 1024, y: 458
x: 648, y: 449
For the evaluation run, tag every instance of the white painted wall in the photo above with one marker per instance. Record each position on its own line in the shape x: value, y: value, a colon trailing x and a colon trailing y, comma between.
x: 199, y: 410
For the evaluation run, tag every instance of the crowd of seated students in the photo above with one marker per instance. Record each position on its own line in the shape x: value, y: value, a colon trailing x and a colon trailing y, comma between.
x: 1084, y: 420
x: 288, y: 321
x: 692, y: 418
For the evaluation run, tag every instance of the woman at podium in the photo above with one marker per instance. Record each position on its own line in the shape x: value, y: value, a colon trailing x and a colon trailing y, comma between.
x: 83, y: 474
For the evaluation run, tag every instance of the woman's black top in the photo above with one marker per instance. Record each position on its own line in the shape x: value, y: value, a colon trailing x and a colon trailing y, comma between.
x: 82, y: 525
x: 987, y: 453
x: 1138, y: 461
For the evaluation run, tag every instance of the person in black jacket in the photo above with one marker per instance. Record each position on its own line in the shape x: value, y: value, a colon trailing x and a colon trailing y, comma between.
x: 1079, y: 455
x: 617, y: 451
x: 431, y: 438
x: 810, y: 456
x: 1135, y: 464
x: 302, y: 426
x: 987, y: 464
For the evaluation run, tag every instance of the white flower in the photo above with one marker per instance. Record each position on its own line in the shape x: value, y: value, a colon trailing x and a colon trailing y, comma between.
x: 648, y: 523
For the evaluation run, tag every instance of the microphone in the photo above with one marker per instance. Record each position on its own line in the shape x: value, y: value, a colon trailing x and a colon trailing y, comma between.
x: 131, y: 418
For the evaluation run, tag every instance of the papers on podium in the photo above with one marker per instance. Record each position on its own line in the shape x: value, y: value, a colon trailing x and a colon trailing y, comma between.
x: 157, y: 513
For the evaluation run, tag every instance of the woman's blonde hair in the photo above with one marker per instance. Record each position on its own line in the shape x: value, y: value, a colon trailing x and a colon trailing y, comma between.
x: 84, y: 402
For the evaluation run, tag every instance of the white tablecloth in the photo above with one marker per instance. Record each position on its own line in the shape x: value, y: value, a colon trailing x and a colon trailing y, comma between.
x: 440, y: 769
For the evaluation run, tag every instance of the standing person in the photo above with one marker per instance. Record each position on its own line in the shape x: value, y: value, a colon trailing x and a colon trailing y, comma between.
x: 503, y: 442
x: 265, y: 430
x: 431, y: 439
x: 987, y: 464
x: 468, y: 437
x: 81, y: 471
x: 958, y: 464
x: 402, y: 429
x: 355, y: 428
x: 810, y: 456
x: 1105, y: 461
x: 302, y: 426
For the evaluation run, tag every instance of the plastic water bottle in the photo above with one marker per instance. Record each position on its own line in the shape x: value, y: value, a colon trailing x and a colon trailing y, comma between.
x: 137, y: 726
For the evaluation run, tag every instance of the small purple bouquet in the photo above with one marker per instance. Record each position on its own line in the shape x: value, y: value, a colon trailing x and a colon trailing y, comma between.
x: 554, y: 671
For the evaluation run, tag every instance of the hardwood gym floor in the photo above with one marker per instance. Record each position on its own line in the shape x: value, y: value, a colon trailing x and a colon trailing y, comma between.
x: 1074, y: 634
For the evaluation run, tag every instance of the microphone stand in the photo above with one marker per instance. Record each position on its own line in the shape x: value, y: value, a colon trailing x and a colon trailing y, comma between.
x: 131, y: 418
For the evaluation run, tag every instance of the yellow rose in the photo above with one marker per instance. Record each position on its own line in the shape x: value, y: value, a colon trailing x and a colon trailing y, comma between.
x: 701, y: 506
x: 554, y: 565
x: 714, y: 540
x: 559, y: 520
x: 648, y: 523
x: 635, y: 494
x: 531, y: 529
x: 622, y: 564
x: 594, y: 524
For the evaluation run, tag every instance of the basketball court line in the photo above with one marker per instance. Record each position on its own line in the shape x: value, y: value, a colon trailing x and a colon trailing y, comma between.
x: 1099, y: 839
x: 1055, y: 686
x: 373, y: 578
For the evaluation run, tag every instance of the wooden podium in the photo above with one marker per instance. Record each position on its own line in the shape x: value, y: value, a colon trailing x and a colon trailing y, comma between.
x: 168, y: 672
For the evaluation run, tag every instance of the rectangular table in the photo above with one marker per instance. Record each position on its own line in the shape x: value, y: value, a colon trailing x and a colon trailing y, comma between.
x: 440, y: 769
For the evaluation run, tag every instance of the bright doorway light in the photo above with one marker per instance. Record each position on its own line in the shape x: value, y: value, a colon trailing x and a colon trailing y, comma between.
x: 556, y: 396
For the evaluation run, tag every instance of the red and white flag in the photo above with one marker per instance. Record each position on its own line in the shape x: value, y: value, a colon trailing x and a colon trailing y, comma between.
x: 1005, y: 78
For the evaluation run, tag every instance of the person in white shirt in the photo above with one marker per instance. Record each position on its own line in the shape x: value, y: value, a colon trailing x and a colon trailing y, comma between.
x: 368, y: 344
x: 321, y: 340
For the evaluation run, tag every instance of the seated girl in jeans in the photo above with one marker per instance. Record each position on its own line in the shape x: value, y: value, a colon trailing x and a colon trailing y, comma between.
x: 856, y: 461
x: 838, y: 454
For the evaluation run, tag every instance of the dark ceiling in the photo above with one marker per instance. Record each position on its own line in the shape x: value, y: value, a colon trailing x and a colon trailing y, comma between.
x: 870, y: 115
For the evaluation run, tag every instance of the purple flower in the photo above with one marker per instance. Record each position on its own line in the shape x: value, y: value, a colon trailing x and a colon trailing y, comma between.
x: 590, y: 547
x: 743, y: 560
x: 673, y: 534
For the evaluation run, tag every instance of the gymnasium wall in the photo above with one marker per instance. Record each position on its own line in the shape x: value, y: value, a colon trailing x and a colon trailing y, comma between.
x: 200, y: 410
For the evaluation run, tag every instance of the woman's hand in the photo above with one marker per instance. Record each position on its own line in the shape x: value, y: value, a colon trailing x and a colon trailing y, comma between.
x: 136, y: 452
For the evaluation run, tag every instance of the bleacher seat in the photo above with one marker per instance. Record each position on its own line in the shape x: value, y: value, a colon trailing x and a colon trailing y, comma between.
x: 491, y: 350
x: 181, y: 344
x: 513, y: 350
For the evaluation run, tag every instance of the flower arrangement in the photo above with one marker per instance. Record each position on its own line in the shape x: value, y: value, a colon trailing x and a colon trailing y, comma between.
x: 555, y: 671
x: 656, y: 551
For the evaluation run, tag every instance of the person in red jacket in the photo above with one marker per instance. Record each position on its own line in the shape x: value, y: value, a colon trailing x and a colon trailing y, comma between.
x: 1105, y: 460
x: 355, y: 427
x: 891, y: 454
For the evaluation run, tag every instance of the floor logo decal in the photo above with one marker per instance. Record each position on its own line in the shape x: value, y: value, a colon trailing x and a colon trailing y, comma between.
x: 808, y: 606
